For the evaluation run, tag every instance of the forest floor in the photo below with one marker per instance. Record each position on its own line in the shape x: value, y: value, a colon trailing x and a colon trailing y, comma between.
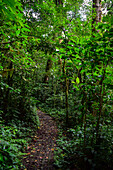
x: 40, y: 152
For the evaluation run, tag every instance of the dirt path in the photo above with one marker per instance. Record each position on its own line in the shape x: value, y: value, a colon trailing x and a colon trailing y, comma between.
x: 40, y: 152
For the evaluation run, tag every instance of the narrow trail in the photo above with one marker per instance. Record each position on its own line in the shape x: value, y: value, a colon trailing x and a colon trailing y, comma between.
x: 41, y: 150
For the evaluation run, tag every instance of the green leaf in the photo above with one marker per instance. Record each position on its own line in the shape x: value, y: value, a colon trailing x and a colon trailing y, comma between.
x: 1, y: 158
x: 25, y: 29
x: 77, y: 80
x: 17, y: 32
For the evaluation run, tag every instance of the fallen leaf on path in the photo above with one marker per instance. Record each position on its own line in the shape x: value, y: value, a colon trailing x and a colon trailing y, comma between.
x: 33, y: 151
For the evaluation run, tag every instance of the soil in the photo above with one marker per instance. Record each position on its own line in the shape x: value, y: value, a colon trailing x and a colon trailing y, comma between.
x: 40, y: 152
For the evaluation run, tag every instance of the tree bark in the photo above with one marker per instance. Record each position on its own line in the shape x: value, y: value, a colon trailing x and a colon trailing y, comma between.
x: 7, y: 92
x: 58, y: 2
x: 48, y: 67
x: 66, y: 93
x: 96, y: 12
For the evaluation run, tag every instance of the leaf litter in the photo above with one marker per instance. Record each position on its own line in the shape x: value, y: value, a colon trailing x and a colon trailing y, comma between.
x: 40, y: 152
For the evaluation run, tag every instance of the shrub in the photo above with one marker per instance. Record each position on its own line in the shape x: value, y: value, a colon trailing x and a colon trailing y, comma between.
x: 11, y: 147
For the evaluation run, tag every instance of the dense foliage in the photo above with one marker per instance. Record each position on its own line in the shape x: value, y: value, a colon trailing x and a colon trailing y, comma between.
x: 55, y: 58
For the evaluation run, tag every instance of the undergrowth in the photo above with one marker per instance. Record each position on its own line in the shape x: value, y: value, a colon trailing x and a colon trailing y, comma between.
x: 79, y: 149
x: 14, y: 137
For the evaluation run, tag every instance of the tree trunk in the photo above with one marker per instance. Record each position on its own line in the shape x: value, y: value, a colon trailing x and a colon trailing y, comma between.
x: 96, y: 12
x: 58, y: 2
x: 66, y: 93
x: 96, y: 17
x: 7, y: 92
x: 48, y: 67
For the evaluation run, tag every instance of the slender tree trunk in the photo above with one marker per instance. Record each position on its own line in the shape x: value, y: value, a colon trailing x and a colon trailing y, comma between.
x: 96, y: 17
x: 66, y: 93
x: 48, y: 67
x: 85, y: 123
x: 58, y: 2
x: 100, y: 107
x: 7, y: 94
x: 83, y: 99
x: 96, y: 12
